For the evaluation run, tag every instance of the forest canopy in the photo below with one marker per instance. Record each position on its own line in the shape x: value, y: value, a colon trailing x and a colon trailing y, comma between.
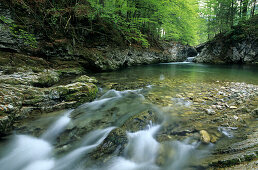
x: 136, y: 21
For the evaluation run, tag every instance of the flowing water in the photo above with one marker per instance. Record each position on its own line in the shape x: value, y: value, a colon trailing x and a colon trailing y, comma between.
x: 146, y: 118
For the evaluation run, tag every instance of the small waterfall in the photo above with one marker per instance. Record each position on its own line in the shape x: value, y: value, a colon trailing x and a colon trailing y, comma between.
x: 90, y: 142
x: 142, y: 146
x: 184, y: 152
x: 140, y: 153
x: 57, y: 128
x: 189, y: 59
x: 31, y: 153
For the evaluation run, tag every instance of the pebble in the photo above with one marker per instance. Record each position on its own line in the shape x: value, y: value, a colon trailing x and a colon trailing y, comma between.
x: 233, y: 107
x: 210, y: 111
x: 235, y: 117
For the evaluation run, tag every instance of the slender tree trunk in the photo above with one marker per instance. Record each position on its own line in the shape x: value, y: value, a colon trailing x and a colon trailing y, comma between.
x: 232, y: 13
x: 128, y: 12
x: 253, y: 9
x: 209, y: 23
x: 240, y: 8
x: 118, y: 6
x: 245, y: 6
x: 101, y: 2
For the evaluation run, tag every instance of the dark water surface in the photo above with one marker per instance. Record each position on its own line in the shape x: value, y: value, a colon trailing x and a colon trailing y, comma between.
x: 188, y: 72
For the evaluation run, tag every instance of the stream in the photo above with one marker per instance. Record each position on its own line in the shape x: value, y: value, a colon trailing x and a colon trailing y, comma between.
x: 145, y: 118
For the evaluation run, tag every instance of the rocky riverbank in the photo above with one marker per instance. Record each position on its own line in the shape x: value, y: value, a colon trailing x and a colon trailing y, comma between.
x: 30, y: 86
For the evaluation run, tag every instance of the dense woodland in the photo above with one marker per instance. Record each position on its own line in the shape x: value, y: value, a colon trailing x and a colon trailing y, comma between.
x: 128, y: 22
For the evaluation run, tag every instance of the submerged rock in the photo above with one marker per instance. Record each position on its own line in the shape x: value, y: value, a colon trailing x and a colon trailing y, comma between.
x: 205, y: 137
x: 232, y: 107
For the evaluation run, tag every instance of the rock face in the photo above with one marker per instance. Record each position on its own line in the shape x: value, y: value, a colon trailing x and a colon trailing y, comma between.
x: 7, y: 40
x: 110, y: 58
x: 245, y: 51
x: 240, y: 45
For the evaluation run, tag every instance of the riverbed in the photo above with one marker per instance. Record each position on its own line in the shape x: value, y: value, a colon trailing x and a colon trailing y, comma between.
x: 165, y: 116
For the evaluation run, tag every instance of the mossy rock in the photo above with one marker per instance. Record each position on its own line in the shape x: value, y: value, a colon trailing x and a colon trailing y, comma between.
x: 6, y: 124
x: 46, y: 79
x: 255, y: 113
x: 71, y: 71
x: 80, y: 92
x: 86, y: 79
x: 34, y: 99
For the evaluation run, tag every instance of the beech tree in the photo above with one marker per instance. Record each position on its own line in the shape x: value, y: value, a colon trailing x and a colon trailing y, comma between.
x: 221, y: 15
x: 156, y: 19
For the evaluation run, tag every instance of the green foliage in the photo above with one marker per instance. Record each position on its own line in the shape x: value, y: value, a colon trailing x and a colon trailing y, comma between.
x: 221, y: 15
x: 29, y: 39
x: 140, y: 20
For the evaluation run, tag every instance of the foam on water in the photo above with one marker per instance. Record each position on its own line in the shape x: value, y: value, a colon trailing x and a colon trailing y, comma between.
x: 57, y: 128
x: 25, y: 150
x: 140, y: 153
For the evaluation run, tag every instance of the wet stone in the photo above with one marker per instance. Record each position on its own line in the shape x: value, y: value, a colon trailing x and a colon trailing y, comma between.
x: 205, y: 137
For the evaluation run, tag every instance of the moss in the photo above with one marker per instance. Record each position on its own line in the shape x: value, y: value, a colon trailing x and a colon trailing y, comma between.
x: 71, y: 71
x: 79, y: 92
x: 226, y: 163
x: 4, y: 60
x: 86, y: 79
x: 10, y: 81
x: 46, y: 79
x: 6, y: 124
x: 34, y: 99
x: 249, y: 157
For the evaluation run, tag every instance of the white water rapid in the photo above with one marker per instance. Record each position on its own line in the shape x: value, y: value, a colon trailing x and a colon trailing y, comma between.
x: 142, y: 151
x: 31, y: 153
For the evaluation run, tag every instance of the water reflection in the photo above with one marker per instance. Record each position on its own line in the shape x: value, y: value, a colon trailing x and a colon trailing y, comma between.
x: 186, y: 71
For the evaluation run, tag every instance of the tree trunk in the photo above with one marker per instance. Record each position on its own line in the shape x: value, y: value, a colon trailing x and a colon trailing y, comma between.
x: 240, y: 11
x: 232, y: 13
x: 101, y: 2
x: 128, y: 12
x: 253, y: 9
x: 245, y: 6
